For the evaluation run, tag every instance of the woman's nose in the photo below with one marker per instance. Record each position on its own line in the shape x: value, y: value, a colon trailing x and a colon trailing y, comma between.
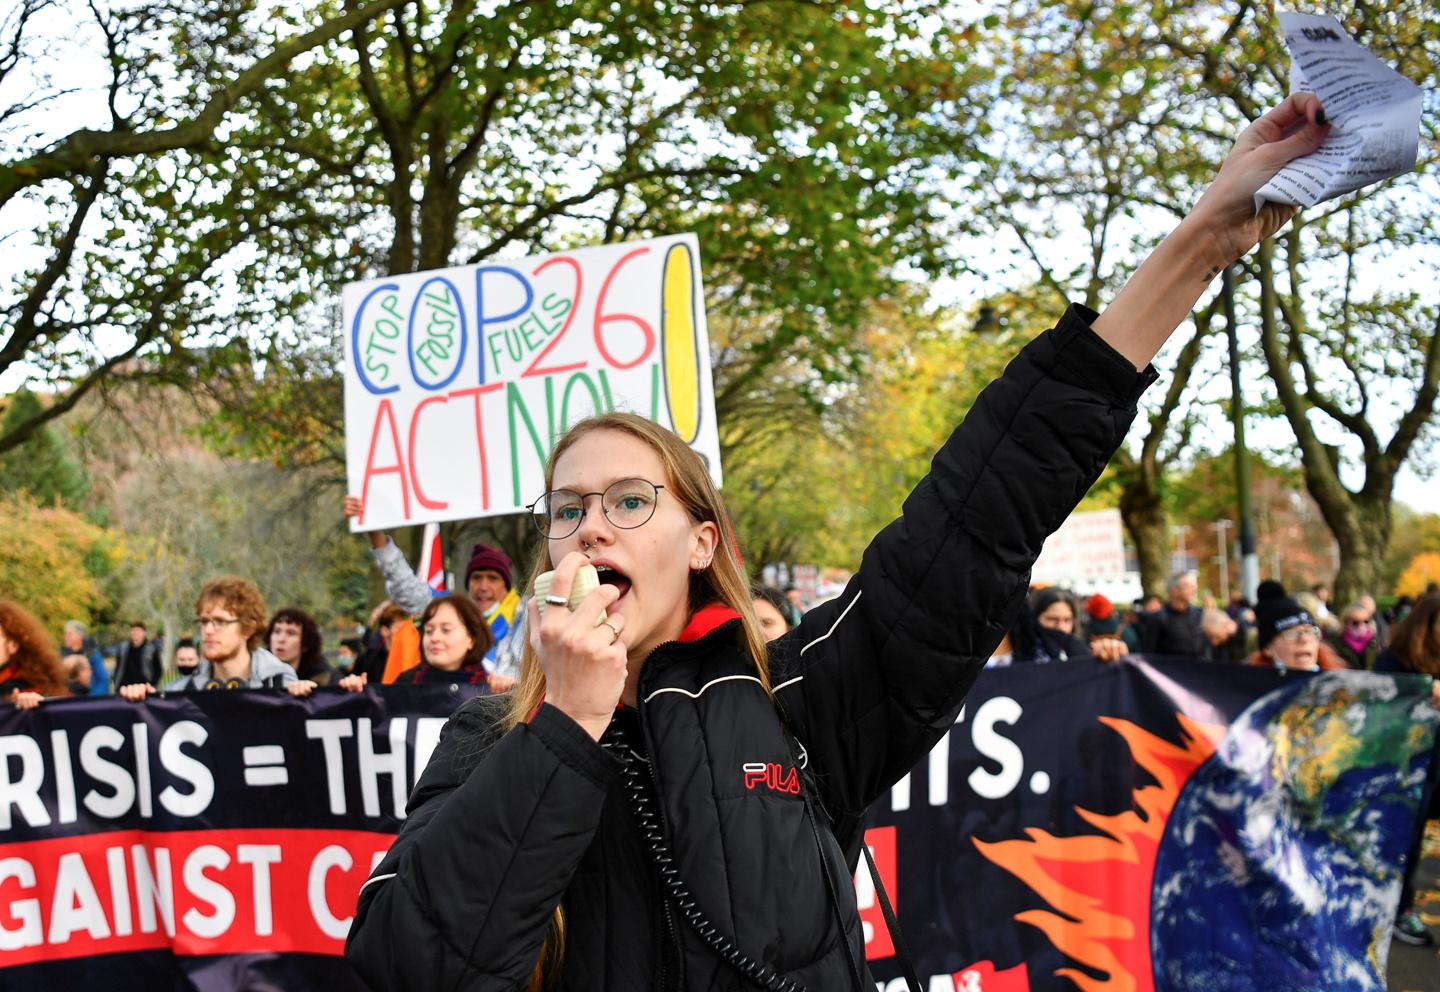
x: 595, y: 526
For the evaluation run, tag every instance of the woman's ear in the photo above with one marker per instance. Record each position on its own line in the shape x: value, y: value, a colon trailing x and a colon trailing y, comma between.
x: 705, y: 540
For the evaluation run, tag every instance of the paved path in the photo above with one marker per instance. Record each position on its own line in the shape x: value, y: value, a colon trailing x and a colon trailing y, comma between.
x: 1417, y: 969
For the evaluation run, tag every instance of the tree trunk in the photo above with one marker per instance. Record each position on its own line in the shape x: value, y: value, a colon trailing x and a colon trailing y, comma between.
x: 1143, y: 512
x: 170, y: 628
x: 1361, y: 521
x: 1362, y: 550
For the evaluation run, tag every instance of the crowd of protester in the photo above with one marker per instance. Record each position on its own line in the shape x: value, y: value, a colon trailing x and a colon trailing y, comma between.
x: 418, y: 635
x: 1280, y: 630
x: 474, y: 638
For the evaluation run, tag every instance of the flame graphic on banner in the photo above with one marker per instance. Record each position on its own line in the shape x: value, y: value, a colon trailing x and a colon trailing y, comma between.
x: 1100, y: 884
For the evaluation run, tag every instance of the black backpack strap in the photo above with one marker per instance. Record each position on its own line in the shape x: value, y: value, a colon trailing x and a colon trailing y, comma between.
x: 897, y: 939
x: 855, y: 973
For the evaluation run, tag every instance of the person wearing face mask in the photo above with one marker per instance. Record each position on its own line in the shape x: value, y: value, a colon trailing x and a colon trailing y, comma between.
x: 1356, y: 642
x: 1047, y: 632
x: 668, y: 801
x: 187, y: 658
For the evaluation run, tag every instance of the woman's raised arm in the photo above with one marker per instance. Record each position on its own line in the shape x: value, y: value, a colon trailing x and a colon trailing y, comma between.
x: 1218, y: 232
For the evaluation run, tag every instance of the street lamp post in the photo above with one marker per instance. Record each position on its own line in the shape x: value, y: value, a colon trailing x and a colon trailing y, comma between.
x: 1221, y: 526
x: 1249, y: 559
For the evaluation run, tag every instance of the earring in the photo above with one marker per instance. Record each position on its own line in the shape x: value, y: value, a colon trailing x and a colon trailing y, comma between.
x: 702, y: 565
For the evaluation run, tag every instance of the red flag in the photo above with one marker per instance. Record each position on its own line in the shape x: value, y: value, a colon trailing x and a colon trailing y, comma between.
x: 432, y: 560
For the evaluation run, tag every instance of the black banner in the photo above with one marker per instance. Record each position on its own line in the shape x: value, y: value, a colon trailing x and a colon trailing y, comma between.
x: 212, y: 840
x: 1112, y: 828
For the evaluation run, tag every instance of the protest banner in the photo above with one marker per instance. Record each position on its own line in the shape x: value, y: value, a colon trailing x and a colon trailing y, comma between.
x: 1142, y: 826
x: 210, y: 840
x: 1088, y: 552
x: 458, y: 381
x: 1155, y: 827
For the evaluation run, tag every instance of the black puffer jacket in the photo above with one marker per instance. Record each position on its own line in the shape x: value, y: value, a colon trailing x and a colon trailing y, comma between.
x: 503, y: 828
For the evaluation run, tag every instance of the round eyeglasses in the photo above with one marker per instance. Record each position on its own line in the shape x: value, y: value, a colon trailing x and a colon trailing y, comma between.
x: 1306, y: 632
x: 627, y: 504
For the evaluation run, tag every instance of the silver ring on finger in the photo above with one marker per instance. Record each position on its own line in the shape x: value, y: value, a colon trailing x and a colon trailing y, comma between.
x: 557, y: 601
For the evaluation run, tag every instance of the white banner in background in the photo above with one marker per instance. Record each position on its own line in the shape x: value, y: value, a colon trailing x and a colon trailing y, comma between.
x: 1088, y: 547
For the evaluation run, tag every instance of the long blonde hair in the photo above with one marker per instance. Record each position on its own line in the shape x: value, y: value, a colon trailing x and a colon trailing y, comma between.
x: 688, y: 481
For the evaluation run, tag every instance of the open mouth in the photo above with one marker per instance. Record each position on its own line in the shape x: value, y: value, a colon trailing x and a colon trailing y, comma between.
x: 611, y: 576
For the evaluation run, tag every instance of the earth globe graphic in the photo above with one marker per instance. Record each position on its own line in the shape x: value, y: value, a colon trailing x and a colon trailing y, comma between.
x: 1280, y: 867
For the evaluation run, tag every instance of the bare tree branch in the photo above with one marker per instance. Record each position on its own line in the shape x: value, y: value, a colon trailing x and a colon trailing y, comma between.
x: 558, y: 207
x: 23, y: 431
x: 1046, y: 276
x: 1150, y: 459
x: 78, y: 151
x: 25, y: 331
x: 1422, y: 409
x: 1314, y: 395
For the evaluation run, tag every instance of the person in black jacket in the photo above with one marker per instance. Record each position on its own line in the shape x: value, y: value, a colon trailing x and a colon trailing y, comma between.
x: 137, y: 661
x: 1046, y: 631
x: 666, y: 802
x: 1176, y: 628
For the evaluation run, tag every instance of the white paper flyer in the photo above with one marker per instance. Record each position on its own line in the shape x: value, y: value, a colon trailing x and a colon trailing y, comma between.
x: 1374, y: 109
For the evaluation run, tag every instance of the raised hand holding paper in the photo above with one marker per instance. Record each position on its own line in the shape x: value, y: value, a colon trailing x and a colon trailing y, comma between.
x: 1374, y: 109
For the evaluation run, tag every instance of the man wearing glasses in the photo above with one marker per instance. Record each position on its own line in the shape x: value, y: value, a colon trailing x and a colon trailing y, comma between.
x: 230, y: 615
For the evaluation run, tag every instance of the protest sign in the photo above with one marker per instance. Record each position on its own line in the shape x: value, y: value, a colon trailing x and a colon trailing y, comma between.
x: 1145, y: 825
x: 1375, y: 113
x: 1086, y: 549
x: 458, y: 381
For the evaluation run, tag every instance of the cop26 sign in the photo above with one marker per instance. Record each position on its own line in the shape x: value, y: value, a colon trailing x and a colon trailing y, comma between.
x: 458, y: 381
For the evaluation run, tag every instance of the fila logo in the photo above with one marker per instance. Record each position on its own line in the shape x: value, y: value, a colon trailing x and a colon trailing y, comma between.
x: 772, y: 776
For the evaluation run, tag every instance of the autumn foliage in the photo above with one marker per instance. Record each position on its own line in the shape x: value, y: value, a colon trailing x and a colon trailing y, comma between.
x: 54, y: 561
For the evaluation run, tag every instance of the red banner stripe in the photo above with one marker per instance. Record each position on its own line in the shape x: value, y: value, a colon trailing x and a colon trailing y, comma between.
x: 189, y: 891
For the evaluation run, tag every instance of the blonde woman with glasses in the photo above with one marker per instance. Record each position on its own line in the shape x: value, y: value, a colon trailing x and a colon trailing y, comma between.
x: 667, y: 802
